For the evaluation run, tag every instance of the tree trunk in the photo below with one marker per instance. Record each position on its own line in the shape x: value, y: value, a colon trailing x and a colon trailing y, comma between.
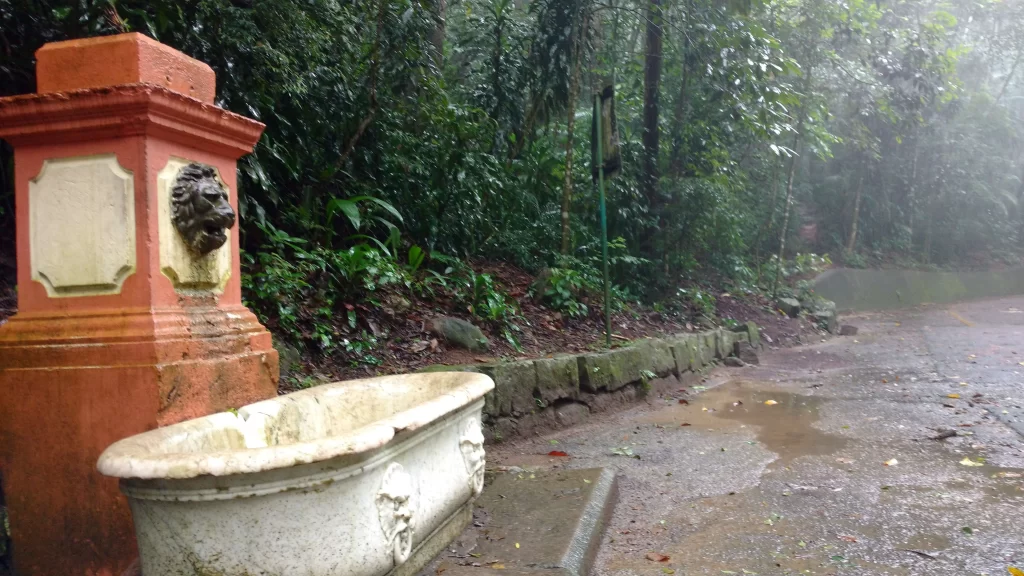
x: 574, y: 87
x: 769, y: 219
x: 851, y: 243
x: 788, y: 209
x: 1020, y: 203
x: 676, y: 165
x: 437, y: 34
x: 926, y: 250
x: 789, y: 184
x: 652, y: 82
x: 496, y: 73
x: 912, y: 192
x: 1009, y: 77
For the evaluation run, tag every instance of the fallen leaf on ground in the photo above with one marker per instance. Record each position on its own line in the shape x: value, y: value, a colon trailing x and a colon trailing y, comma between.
x: 1007, y: 475
x: 1015, y: 571
x: 685, y: 424
x: 969, y: 462
x: 655, y: 557
x: 848, y: 538
x: 953, y: 395
x: 668, y: 571
x: 557, y: 453
x: 625, y: 451
x: 845, y: 460
x: 770, y: 402
x: 684, y: 402
x: 517, y: 544
x: 891, y: 462
x: 968, y: 530
x: 497, y: 566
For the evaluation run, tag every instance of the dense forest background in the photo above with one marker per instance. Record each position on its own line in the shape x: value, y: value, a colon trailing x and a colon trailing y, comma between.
x: 409, y: 141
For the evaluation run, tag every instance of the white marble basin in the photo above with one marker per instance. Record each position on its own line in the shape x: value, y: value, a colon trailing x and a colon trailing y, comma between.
x: 357, y: 478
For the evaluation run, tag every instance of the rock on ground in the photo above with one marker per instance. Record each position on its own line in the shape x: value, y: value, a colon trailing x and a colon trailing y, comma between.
x: 789, y: 306
x: 459, y: 333
x: 745, y: 352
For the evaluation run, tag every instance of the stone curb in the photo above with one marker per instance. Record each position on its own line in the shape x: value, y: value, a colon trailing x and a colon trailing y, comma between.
x: 586, y: 540
x: 562, y: 391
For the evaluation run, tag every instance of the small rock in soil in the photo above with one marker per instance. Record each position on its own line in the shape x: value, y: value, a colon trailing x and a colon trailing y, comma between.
x: 847, y: 330
x: 734, y: 362
x: 459, y: 333
x: 827, y: 321
x: 790, y: 306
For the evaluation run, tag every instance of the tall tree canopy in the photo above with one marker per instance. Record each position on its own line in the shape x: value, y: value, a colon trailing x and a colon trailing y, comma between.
x: 886, y: 131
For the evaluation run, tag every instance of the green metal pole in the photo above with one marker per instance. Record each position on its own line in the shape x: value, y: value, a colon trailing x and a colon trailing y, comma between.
x: 604, y: 224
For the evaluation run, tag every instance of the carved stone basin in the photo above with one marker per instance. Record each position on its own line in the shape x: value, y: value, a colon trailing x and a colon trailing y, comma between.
x: 358, y: 478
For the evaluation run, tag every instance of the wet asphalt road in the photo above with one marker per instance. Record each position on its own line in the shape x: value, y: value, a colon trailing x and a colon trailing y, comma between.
x: 731, y: 485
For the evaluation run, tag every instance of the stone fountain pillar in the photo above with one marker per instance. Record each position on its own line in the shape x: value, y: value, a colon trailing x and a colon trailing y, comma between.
x: 129, y: 303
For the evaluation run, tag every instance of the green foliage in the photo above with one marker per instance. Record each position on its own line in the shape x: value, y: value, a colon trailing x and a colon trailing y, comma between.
x: 900, y: 123
x: 855, y: 260
x: 696, y: 303
x: 301, y: 292
x: 801, y: 267
x: 477, y: 292
x: 564, y: 289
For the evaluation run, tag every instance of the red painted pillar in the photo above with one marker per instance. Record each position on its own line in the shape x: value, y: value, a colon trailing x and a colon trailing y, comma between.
x: 120, y: 328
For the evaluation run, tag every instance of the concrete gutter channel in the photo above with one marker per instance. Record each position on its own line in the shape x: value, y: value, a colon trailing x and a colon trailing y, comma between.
x: 552, y: 522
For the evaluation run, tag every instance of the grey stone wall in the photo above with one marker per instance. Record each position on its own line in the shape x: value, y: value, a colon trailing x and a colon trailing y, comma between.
x: 548, y: 393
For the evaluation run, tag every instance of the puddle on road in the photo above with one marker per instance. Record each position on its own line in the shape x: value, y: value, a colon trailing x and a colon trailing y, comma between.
x: 785, y: 428
x: 1002, y: 485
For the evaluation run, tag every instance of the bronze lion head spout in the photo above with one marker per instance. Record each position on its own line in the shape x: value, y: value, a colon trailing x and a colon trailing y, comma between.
x: 200, y: 209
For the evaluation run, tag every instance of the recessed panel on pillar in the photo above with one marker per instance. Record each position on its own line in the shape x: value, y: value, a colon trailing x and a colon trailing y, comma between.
x: 195, y: 251
x: 82, y: 226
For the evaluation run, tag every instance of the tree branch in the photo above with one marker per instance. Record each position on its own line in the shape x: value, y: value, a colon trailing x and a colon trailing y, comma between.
x: 374, y: 66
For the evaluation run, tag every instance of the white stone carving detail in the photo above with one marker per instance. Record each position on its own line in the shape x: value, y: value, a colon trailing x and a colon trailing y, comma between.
x: 396, y: 505
x: 209, y: 273
x: 82, y: 226
x: 472, y: 446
